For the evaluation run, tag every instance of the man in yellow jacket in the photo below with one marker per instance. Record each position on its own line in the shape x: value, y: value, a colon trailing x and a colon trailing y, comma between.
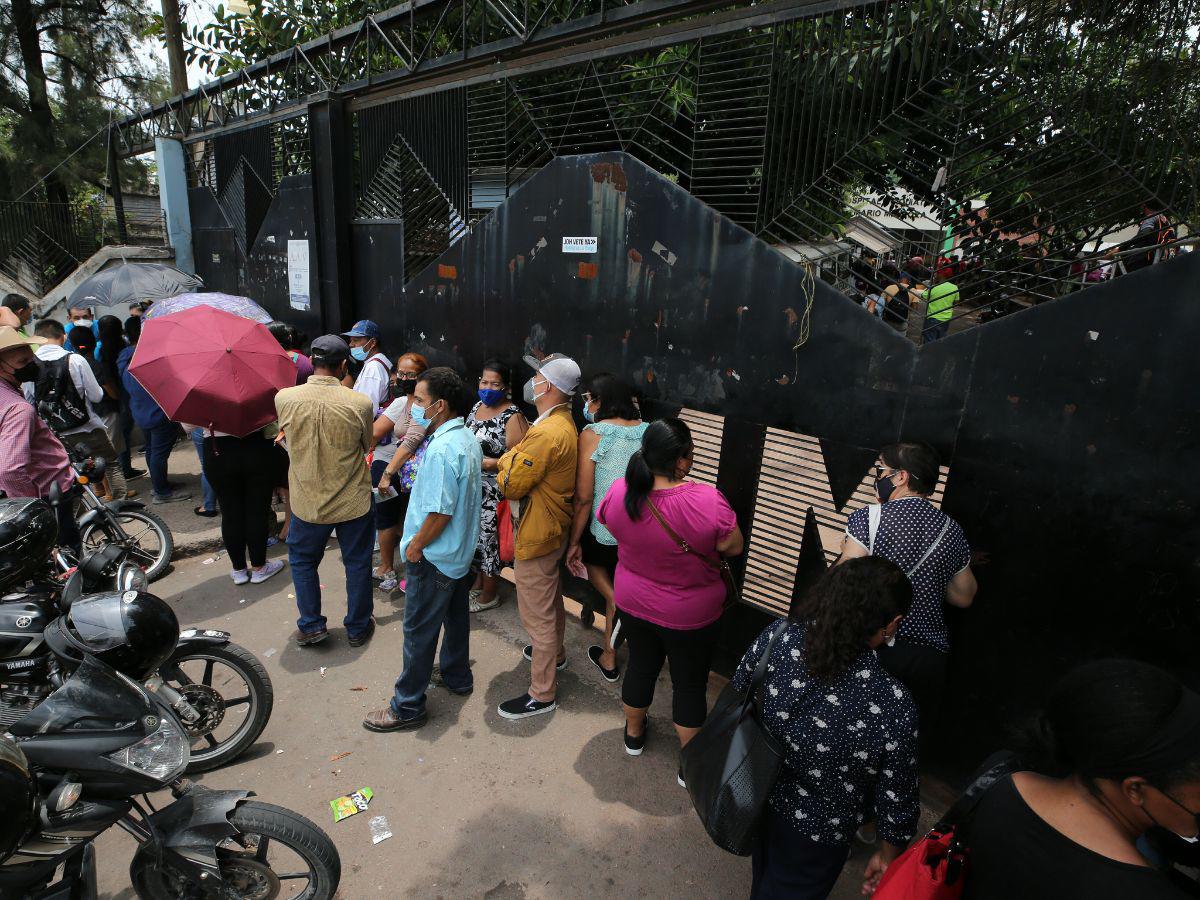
x: 540, y: 473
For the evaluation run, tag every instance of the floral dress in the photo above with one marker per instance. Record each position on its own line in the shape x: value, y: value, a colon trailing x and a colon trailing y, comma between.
x: 493, y: 441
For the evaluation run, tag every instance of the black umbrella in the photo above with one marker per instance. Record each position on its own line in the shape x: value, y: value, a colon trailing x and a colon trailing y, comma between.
x: 131, y: 283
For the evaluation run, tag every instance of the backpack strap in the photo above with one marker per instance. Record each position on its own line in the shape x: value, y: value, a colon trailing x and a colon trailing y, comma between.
x: 929, y: 550
x: 997, y: 766
x: 874, y: 514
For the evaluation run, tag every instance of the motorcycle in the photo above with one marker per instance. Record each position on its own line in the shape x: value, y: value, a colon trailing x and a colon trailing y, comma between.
x: 98, y: 742
x: 220, y: 691
x: 125, y: 523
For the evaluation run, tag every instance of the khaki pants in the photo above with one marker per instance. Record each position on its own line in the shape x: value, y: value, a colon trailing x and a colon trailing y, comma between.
x: 540, y: 602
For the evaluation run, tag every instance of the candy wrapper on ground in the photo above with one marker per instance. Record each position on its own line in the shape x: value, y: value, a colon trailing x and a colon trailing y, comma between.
x: 343, y: 807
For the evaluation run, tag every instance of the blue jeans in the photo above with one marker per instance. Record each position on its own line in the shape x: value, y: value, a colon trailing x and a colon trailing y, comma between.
x: 306, y: 547
x: 159, y: 441
x: 935, y: 330
x: 433, y: 601
x: 210, y: 496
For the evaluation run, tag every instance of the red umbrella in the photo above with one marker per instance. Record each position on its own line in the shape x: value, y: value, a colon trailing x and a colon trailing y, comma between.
x: 208, y: 367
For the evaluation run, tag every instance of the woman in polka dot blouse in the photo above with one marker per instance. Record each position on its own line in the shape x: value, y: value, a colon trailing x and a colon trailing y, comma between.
x: 849, y: 731
x: 932, y: 549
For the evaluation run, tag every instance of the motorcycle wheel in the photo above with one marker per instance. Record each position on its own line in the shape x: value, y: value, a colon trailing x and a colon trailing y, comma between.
x: 147, y: 536
x: 252, y: 864
x: 217, y: 679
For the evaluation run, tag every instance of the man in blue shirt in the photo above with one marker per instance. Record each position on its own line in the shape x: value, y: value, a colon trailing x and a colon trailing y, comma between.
x: 441, y: 529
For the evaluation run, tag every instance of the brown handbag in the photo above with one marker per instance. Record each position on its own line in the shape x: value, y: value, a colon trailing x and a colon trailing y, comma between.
x: 732, y: 594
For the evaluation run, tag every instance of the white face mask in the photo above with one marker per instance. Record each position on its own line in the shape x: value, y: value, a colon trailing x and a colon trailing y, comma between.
x: 82, y: 323
x: 531, y: 394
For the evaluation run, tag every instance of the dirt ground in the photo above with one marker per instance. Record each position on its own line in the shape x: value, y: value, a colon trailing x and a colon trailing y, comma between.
x: 479, y: 806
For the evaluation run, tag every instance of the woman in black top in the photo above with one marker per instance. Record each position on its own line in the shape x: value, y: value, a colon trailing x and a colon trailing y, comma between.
x: 1120, y: 742
x: 849, y: 731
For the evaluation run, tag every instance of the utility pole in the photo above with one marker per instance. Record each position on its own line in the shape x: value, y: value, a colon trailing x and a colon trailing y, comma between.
x: 173, y: 35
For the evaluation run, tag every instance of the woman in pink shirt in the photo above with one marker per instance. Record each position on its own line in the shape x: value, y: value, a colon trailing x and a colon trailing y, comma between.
x: 669, y: 599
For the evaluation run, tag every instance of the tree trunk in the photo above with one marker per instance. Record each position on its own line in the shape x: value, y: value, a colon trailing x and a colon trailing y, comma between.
x: 173, y: 35
x: 40, y: 114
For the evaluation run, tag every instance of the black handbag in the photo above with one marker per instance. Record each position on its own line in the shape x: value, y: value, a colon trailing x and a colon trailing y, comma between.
x: 732, y: 765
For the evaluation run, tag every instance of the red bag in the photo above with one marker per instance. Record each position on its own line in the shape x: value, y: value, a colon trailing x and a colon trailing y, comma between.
x: 504, y: 528
x: 934, y: 868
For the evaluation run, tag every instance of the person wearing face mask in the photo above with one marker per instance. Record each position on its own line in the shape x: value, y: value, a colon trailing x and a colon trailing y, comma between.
x: 848, y: 728
x: 79, y: 317
x: 328, y: 430
x: 540, y: 473
x: 613, y: 434
x: 398, y: 436
x: 669, y: 597
x: 498, y: 426
x: 441, y: 530
x: 374, y: 378
x: 32, y: 458
x: 1113, y: 762
x: 931, y: 548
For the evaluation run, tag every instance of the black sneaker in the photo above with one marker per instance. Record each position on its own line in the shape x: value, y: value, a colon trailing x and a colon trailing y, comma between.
x: 612, y: 675
x: 528, y: 654
x: 359, y: 639
x: 635, y: 745
x: 133, y: 474
x: 525, y: 706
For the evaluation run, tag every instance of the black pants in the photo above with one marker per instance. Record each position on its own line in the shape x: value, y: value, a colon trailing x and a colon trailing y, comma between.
x: 242, y: 472
x: 788, y: 865
x: 689, y: 655
x: 922, y: 669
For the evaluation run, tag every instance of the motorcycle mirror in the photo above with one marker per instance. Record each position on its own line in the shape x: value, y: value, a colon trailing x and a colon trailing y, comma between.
x: 54, y: 496
x: 82, y: 451
x: 65, y: 795
x: 98, y: 469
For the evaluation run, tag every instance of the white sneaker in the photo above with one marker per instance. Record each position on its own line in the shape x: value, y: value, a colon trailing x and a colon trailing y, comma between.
x: 475, y: 606
x: 273, y: 567
x: 240, y: 576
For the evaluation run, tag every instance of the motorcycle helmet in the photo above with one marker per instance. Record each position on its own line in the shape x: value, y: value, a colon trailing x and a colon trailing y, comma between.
x: 132, y: 631
x: 18, y: 797
x: 28, y: 530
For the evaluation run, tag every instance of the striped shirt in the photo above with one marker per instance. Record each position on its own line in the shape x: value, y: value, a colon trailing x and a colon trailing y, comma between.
x: 328, y: 431
x: 31, y: 457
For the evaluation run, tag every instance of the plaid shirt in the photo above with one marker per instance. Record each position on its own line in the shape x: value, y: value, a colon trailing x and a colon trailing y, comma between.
x: 31, y: 457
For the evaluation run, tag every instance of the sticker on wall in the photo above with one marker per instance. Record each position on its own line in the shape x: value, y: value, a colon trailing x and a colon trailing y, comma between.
x: 298, y: 291
x: 580, y: 244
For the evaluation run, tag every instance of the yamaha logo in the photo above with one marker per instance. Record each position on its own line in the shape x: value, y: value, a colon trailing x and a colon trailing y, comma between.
x: 24, y: 621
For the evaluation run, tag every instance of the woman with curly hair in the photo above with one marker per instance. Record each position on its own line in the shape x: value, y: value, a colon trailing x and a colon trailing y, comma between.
x: 849, y: 731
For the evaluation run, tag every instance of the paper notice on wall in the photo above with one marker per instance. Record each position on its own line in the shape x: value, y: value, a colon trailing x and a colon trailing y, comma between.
x: 580, y: 244
x: 298, y: 289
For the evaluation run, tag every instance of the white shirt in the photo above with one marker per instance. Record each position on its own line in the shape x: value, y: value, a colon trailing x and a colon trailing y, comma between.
x: 83, y: 379
x: 372, y: 381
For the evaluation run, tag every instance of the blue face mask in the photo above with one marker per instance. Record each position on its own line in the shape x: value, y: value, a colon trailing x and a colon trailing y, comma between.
x: 588, y: 415
x: 490, y: 396
x: 359, y: 353
x: 417, y: 414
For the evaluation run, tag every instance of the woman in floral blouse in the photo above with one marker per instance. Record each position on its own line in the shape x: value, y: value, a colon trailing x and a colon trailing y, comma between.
x: 848, y: 727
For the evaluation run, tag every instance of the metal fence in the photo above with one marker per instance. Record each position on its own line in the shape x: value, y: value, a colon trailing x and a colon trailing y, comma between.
x: 42, y: 243
x: 1018, y: 149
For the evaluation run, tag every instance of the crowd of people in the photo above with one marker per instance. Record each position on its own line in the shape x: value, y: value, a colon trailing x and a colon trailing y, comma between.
x: 446, y: 471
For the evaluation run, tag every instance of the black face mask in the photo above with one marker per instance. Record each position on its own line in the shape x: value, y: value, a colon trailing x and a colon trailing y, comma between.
x: 884, y: 488
x: 27, y: 372
x: 406, y: 386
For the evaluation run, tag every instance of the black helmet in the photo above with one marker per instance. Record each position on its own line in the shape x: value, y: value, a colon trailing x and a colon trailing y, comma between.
x: 132, y: 631
x: 18, y: 797
x: 28, y: 530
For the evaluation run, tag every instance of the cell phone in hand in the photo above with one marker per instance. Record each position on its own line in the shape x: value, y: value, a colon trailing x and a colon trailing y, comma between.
x: 382, y: 494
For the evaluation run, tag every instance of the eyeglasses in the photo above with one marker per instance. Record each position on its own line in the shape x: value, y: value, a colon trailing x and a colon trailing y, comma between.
x: 881, y: 472
x: 407, y: 376
x: 587, y: 398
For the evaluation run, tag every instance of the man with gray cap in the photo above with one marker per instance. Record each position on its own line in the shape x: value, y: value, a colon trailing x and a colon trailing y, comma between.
x: 540, y: 473
x: 327, y: 429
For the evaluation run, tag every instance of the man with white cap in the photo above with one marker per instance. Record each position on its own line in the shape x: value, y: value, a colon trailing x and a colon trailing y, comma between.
x: 540, y: 473
x: 32, y: 458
